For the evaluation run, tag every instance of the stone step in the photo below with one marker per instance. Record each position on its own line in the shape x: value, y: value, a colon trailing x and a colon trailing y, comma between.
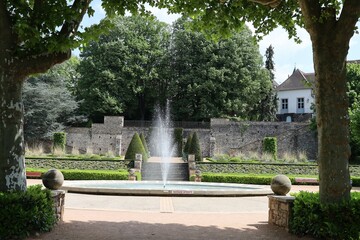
x: 177, y: 171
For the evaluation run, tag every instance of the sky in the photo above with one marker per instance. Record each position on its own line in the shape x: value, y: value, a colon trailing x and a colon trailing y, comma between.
x: 287, y: 53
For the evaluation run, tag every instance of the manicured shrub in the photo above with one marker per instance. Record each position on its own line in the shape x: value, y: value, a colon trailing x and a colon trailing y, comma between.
x: 325, y: 221
x: 142, y: 137
x: 25, y: 213
x: 178, y: 135
x: 187, y: 144
x: 270, y: 146
x: 237, y: 178
x: 195, y: 148
x: 59, y: 139
x: 135, y: 147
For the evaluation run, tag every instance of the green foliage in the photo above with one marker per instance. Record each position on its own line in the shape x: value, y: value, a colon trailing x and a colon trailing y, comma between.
x: 94, y: 175
x: 270, y: 146
x: 135, y: 147
x: 178, y: 141
x: 325, y: 221
x: 25, y: 213
x: 59, y: 140
x: 353, y: 80
x: 195, y: 147
x: 143, y: 141
x: 215, y: 79
x: 188, y: 144
x: 237, y: 178
x: 268, y: 101
x: 123, y: 69
x: 48, y: 101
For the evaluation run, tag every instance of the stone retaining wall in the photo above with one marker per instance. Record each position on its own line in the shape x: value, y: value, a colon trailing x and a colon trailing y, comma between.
x: 223, y: 137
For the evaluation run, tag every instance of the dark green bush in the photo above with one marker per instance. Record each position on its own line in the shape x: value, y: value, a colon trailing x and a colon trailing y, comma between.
x: 178, y: 135
x: 270, y: 146
x: 195, y: 148
x: 25, y: 213
x: 142, y: 137
x: 59, y: 140
x: 325, y: 221
x: 187, y: 144
x: 94, y: 175
x: 135, y: 147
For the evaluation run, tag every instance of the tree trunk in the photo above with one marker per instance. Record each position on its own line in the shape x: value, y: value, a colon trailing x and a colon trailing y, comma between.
x: 12, y: 160
x: 332, y: 116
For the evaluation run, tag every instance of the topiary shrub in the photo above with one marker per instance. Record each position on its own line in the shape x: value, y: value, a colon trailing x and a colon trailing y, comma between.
x: 178, y: 134
x: 135, y: 147
x: 195, y: 148
x: 142, y: 137
x: 59, y: 139
x: 270, y: 146
x: 325, y: 221
x: 187, y: 144
x: 26, y: 213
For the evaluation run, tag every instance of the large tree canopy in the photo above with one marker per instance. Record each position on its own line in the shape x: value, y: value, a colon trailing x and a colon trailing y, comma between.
x: 36, y: 35
x: 215, y: 79
x: 48, y: 103
x: 120, y: 72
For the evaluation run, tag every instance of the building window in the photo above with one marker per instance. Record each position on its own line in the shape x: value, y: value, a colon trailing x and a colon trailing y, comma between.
x: 300, y: 103
x: 284, y: 103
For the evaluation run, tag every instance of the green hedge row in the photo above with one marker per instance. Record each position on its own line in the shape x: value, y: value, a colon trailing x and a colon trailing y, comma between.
x: 262, y: 179
x: 91, y: 174
x: 25, y: 213
x: 328, y: 221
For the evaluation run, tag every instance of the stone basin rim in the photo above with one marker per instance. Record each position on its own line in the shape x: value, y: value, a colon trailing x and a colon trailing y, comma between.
x: 229, y: 189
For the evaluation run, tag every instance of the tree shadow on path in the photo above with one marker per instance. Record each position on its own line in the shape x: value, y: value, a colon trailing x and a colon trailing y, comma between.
x: 104, y: 230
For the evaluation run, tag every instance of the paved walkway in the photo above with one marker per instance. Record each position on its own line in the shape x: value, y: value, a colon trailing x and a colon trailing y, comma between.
x: 95, y: 217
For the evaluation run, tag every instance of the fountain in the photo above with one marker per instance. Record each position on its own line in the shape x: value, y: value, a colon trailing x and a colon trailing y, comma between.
x: 162, y: 140
x: 162, y: 145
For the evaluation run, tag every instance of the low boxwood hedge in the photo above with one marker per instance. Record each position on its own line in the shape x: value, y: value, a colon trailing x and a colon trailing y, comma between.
x: 262, y: 179
x: 330, y: 221
x: 25, y: 213
x: 75, y: 174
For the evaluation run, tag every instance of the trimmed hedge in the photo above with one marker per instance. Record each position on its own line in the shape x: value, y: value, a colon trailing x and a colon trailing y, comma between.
x: 91, y: 174
x: 59, y: 140
x: 178, y: 141
x: 26, y: 213
x: 270, y: 146
x: 329, y: 221
x: 143, y: 141
x: 195, y: 148
x: 187, y: 144
x: 136, y: 147
x: 237, y: 178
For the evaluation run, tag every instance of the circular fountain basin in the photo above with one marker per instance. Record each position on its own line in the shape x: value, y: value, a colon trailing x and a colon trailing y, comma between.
x: 156, y: 188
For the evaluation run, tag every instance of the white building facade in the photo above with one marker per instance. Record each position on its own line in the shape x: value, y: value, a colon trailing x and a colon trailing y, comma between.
x: 296, y: 96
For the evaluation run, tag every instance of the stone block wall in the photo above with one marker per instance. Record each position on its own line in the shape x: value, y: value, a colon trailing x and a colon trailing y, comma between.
x: 233, y: 137
x: 223, y: 137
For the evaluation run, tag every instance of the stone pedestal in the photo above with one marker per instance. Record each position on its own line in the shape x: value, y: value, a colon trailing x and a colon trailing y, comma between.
x: 191, y: 164
x: 132, y: 176
x: 137, y: 163
x: 59, y: 203
x: 280, y: 208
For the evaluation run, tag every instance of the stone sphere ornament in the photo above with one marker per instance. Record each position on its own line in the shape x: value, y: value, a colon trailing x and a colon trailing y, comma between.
x: 53, y: 179
x: 280, y: 185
